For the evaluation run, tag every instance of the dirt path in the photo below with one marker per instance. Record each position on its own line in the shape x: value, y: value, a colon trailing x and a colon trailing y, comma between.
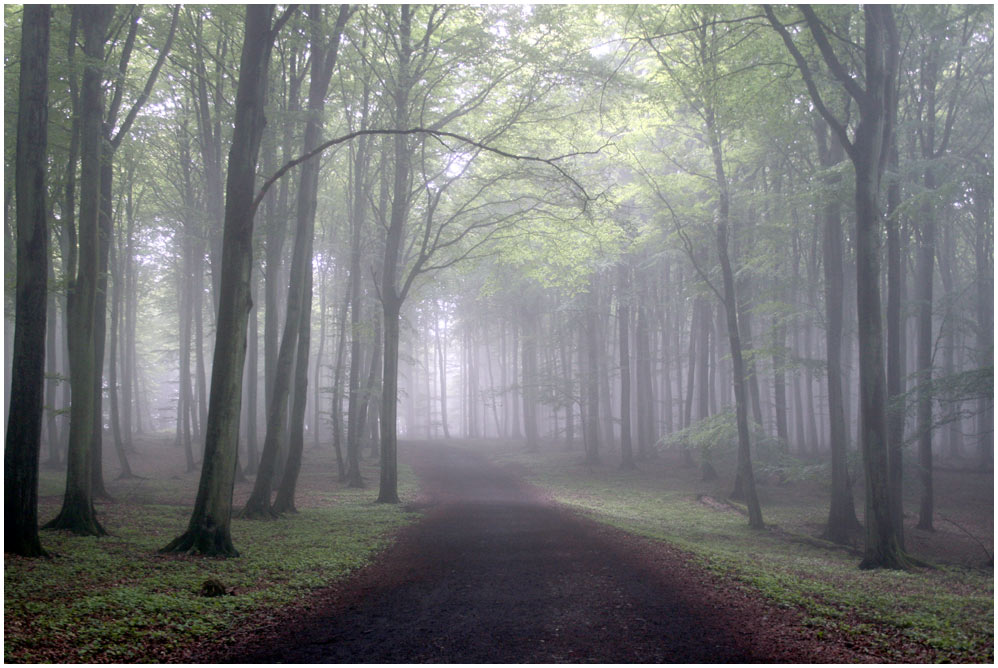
x: 497, y: 573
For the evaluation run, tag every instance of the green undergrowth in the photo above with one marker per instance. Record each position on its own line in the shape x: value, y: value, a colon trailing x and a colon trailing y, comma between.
x: 116, y: 599
x: 939, y: 614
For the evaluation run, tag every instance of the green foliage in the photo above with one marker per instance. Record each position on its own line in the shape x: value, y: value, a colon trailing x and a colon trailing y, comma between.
x: 715, y: 433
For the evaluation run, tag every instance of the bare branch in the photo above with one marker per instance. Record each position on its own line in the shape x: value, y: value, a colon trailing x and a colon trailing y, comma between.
x: 552, y: 162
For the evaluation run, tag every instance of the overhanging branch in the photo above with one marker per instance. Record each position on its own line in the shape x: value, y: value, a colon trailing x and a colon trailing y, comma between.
x: 439, y: 135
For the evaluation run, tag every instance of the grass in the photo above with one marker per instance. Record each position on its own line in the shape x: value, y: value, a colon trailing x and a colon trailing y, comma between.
x: 940, y: 614
x: 115, y: 599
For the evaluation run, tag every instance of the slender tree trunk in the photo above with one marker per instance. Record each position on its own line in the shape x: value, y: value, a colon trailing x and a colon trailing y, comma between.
x: 895, y: 346
x: 591, y: 377
x: 388, y: 490
x: 442, y: 363
x: 842, y: 522
x: 24, y: 420
x: 745, y: 474
x: 116, y: 298
x: 317, y: 375
x: 336, y: 410
x: 372, y: 392
x: 923, y: 279
x: 623, y: 318
x: 253, y: 381
x: 515, y: 387
x: 529, y: 377
x: 52, y: 342
x: 983, y: 213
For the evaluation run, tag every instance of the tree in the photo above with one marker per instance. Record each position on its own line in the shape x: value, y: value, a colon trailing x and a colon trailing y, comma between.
x: 868, y: 151
x: 623, y: 322
x: 842, y: 522
x: 24, y: 422
x: 699, y: 80
x: 77, y: 513
x: 208, y: 531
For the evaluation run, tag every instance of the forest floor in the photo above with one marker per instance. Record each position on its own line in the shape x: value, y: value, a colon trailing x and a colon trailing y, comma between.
x: 502, y: 570
x: 115, y: 599
x: 499, y: 555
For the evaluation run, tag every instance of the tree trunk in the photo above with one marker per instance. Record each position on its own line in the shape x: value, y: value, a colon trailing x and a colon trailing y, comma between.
x: 116, y: 298
x: 77, y: 513
x: 591, y: 377
x: 895, y: 346
x: 336, y: 410
x: 983, y: 212
x: 442, y: 363
x: 842, y: 522
x: 623, y: 318
x: 745, y: 474
x: 24, y: 420
x: 209, y: 529
x: 528, y: 342
x: 253, y: 380
x: 923, y: 289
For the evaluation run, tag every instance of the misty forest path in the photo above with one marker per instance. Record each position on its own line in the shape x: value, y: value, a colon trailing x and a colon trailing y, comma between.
x: 495, y: 572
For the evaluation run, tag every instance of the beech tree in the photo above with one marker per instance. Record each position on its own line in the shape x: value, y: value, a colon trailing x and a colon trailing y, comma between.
x: 208, y: 531
x: 868, y: 147
x: 24, y: 422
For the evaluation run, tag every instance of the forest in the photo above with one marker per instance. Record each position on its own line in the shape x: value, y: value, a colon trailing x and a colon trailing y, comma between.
x: 304, y: 302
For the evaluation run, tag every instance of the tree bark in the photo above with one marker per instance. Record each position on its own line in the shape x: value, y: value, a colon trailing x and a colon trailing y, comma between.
x: 868, y: 153
x: 24, y: 420
x: 209, y: 531
x: 842, y: 522
x: 77, y: 513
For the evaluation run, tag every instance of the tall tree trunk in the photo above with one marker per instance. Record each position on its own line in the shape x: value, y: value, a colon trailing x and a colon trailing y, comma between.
x: 253, y: 380
x: 623, y: 320
x: 299, y: 300
x: 515, y: 387
x: 954, y: 437
x: 336, y: 410
x: 842, y: 522
x: 391, y: 294
x: 317, y: 376
x: 52, y: 342
x: 209, y: 529
x: 77, y: 513
x: 923, y: 279
x: 116, y: 298
x: 372, y: 396
x: 868, y: 151
x: 442, y: 363
x: 24, y: 420
x: 591, y: 377
x: 528, y: 351
x: 983, y: 212
x: 745, y: 474
x: 644, y: 368
x: 895, y: 345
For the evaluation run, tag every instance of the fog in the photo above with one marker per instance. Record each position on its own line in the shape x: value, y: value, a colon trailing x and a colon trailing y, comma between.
x: 659, y: 236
